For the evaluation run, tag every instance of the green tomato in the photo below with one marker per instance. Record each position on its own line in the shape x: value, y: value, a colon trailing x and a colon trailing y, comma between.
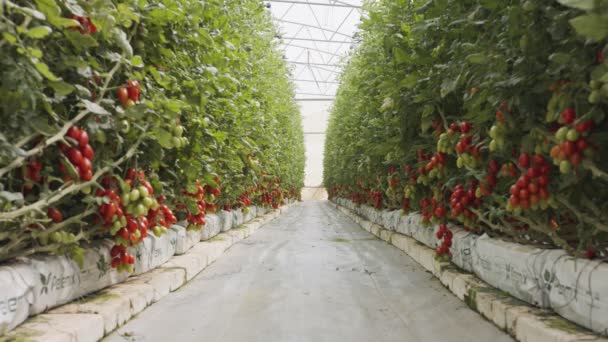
x: 143, y: 191
x: 123, y: 220
x: 178, y: 131
x: 572, y: 135
x: 147, y: 202
x: 595, y: 84
x: 125, y: 198
x: 100, y: 136
x: 493, y: 146
x: 561, y: 134
x: 56, y: 237
x: 141, y: 210
x: 565, y: 167
x: 594, y: 97
x: 177, y: 142
x: 116, y: 227
x: 155, y: 204
x: 86, y: 190
x: 124, y: 126
x: 157, y: 230
x: 134, y: 195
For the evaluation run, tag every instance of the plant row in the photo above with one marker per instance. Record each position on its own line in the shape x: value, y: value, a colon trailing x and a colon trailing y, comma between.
x: 489, y: 114
x: 120, y: 118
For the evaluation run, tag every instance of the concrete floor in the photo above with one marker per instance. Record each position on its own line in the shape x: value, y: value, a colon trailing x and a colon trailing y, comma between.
x: 311, y: 275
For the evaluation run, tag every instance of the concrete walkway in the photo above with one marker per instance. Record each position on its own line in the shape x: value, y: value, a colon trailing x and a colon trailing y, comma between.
x: 311, y: 275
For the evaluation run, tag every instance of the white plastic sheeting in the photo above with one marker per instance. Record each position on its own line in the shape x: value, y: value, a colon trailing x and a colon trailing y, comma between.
x: 576, y: 289
x: 16, y: 294
x: 225, y: 220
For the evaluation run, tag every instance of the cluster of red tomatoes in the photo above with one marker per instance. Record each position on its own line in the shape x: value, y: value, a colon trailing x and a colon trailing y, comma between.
x: 79, y: 153
x: 129, y: 95
x: 198, y: 219
x: 160, y: 216
x: 445, y: 234
x: 376, y: 198
x: 462, y: 200
x: 490, y: 181
x: 130, y: 215
x: 32, y: 171
x: 530, y: 190
x: 573, y: 146
x: 430, y: 208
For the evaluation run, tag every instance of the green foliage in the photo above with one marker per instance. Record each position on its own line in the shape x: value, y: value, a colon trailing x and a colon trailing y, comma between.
x: 518, y: 65
x: 208, y: 68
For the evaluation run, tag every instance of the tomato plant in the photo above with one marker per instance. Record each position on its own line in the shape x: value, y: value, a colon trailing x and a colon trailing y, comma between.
x: 491, y: 114
x: 111, y: 108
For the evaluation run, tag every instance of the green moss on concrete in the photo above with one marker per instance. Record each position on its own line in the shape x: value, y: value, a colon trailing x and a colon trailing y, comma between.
x: 471, y: 298
x: 217, y: 238
x: 562, y: 324
x: 102, y: 297
x: 24, y: 335
x: 339, y: 239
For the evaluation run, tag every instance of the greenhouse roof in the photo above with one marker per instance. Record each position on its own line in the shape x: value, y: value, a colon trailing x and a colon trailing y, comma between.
x: 316, y: 36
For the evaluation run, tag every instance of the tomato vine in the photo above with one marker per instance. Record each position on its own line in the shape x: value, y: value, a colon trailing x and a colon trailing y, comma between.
x: 188, y: 95
x: 490, y: 114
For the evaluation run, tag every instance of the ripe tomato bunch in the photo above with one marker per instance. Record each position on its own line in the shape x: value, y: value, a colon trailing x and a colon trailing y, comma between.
x: 211, y: 192
x: 79, y: 153
x: 121, y: 259
x: 445, y: 234
x: 430, y: 208
x: 32, y: 173
x: 572, y: 144
x: 490, y: 180
x: 468, y: 154
x: 245, y: 202
x: 128, y: 95
x: 435, y: 168
x: 124, y: 229
x: 448, y: 140
x: 86, y: 25
x: 530, y: 191
x: 137, y: 197
x: 161, y: 217
x: 376, y: 199
x: 461, y: 200
x: 196, y: 220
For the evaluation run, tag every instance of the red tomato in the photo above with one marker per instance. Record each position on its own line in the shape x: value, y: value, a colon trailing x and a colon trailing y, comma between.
x: 123, y: 95
x: 75, y: 156
x: 55, y: 215
x: 87, y: 152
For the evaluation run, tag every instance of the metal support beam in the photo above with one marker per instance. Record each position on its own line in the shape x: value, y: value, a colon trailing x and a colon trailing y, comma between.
x: 312, y: 26
x: 313, y: 49
x: 340, y: 4
x: 318, y: 40
x: 313, y: 81
x: 315, y: 64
